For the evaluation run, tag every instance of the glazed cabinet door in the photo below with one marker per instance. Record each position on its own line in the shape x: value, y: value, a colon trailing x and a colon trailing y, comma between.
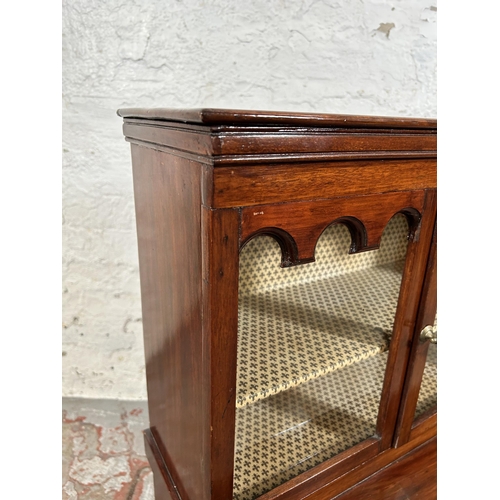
x: 283, y: 258
x: 328, y: 296
x: 419, y: 404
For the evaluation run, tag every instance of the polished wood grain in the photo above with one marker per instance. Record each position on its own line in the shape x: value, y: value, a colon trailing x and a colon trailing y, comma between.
x: 418, y: 353
x: 298, y: 226
x: 285, y: 183
x: 320, y: 140
x: 280, y: 158
x: 251, y: 117
x: 423, y: 424
x: 331, y: 478
x: 163, y: 483
x: 194, y: 140
x: 238, y: 145
x: 404, y: 321
x: 235, y: 138
x: 363, y: 471
x: 412, y: 476
x: 220, y: 329
x: 167, y: 200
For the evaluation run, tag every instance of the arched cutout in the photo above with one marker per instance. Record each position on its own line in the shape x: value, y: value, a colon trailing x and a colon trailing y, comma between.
x: 289, y: 252
x: 356, y: 229
x: 298, y: 226
x: 413, y: 217
x: 393, y: 243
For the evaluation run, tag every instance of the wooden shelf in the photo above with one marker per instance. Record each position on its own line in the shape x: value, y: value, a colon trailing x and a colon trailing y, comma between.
x: 292, y: 334
x: 291, y: 432
x: 288, y: 433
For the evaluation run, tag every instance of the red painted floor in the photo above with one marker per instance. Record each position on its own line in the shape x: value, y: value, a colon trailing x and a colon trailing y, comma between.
x: 103, y: 450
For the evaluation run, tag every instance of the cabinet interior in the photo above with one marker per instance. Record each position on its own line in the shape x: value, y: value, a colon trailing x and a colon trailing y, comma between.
x: 312, y: 351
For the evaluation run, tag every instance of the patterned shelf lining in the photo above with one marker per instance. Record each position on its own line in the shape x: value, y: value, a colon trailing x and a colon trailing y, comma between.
x: 284, y: 435
x: 302, y: 323
x: 291, y: 335
x: 297, y: 327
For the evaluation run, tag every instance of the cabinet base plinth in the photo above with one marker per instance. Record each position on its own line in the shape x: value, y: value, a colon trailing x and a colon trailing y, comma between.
x: 165, y: 488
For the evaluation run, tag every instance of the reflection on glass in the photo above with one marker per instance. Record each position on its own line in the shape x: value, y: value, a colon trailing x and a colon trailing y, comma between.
x: 427, y: 397
x: 312, y: 350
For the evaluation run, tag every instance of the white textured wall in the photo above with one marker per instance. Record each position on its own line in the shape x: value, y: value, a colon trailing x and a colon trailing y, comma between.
x: 357, y: 56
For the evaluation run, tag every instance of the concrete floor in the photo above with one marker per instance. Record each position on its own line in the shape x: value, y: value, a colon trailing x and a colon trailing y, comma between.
x: 103, y: 450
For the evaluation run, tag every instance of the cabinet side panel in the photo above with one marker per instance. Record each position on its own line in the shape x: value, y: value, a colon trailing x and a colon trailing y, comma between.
x: 167, y: 201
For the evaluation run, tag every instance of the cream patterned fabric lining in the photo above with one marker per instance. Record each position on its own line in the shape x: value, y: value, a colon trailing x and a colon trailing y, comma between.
x: 294, y: 334
x: 311, y: 360
x: 300, y: 323
x: 260, y: 258
x: 284, y: 435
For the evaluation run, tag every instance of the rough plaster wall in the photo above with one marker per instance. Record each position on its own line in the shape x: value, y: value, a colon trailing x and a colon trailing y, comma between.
x: 357, y: 57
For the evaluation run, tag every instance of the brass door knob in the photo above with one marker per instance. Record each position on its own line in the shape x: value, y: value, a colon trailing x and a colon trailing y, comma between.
x: 429, y: 333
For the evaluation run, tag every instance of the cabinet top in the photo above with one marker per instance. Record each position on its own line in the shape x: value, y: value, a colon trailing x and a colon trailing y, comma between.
x: 212, y: 116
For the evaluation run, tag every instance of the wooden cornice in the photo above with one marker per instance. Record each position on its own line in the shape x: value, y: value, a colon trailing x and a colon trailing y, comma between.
x: 228, y: 137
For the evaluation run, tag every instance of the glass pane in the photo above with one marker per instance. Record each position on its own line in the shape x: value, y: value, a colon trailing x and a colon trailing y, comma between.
x: 427, y: 397
x: 312, y: 350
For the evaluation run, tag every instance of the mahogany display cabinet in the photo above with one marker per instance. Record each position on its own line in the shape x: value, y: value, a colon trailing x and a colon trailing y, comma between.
x: 288, y: 282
